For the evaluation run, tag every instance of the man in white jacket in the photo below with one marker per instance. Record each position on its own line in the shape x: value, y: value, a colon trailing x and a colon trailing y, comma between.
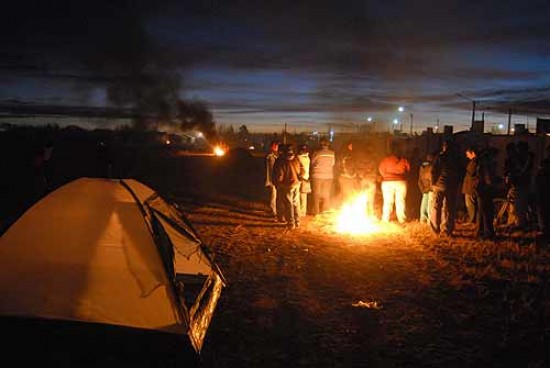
x: 305, y: 187
x: 270, y: 159
x: 322, y: 174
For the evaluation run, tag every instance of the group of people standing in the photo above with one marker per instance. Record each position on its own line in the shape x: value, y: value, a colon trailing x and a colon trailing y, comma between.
x: 445, y: 177
x: 291, y: 177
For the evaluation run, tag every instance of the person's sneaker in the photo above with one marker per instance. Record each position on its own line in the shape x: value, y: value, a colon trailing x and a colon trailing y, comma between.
x: 291, y: 227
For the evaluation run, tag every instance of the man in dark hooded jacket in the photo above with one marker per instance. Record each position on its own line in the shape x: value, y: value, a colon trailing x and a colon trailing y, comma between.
x: 446, y: 181
x: 287, y: 174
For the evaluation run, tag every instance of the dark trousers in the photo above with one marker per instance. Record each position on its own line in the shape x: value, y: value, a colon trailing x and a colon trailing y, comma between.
x: 484, y: 214
x: 443, y: 212
x: 472, y: 207
x: 543, y: 209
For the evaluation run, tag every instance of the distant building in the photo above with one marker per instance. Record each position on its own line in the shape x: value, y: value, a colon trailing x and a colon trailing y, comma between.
x: 520, y: 129
x: 478, y: 126
x: 543, y: 126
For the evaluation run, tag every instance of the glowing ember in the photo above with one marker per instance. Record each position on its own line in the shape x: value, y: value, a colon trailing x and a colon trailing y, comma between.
x: 353, y: 219
x: 218, y: 151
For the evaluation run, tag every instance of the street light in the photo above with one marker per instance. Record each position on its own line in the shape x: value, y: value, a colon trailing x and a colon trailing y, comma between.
x: 401, y: 109
x: 395, y: 123
x: 372, y: 125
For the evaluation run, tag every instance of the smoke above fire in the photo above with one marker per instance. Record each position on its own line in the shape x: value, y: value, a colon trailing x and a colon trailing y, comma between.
x: 102, y: 45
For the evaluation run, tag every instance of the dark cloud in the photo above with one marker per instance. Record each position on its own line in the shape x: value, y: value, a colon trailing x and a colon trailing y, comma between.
x: 359, y: 55
x: 99, y: 42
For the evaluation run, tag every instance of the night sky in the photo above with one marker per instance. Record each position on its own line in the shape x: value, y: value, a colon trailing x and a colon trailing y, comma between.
x: 310, y: 64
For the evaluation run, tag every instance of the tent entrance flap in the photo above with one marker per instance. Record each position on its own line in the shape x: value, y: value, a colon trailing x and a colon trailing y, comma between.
x: 202, y: 311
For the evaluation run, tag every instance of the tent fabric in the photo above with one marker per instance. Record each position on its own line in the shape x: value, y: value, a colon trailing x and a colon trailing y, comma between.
x: 87, y: 252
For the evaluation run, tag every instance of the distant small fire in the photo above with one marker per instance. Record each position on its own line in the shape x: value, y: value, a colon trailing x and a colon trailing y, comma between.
x: 219, y: 150
x: 353, y: 219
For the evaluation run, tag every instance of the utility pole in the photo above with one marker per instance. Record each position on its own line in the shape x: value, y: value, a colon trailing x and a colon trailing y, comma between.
x: 509, y: 120
x: 473, y: 107
x: 473, y: 113
x: 411, y: 115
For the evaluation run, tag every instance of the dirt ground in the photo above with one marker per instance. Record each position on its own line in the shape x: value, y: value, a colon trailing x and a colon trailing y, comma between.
x: 314, y: 298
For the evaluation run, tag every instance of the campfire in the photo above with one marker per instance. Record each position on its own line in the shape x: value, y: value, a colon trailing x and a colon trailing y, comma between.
x: 352, y: 218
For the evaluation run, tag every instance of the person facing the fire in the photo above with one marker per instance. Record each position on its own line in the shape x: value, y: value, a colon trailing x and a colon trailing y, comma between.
x: 305, y: 184
x: 543, y: 199
x: 347, y: 173
x: 445, y: 185
x: 425, y: 187
x: 478, y: 192
x: 287, y: 172
x: 322, y: 174
x: 394, y: 169
x: 367, y: 176
x: 269, y: 183
x: 469, y: 185
x: 518, y: 170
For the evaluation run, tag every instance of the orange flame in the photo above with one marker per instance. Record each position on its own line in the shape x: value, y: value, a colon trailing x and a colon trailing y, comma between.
x: 219, y: 151
x: 353, y: 219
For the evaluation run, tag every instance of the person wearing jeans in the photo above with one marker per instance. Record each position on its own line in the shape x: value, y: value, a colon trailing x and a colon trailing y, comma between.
x: 425, y: 186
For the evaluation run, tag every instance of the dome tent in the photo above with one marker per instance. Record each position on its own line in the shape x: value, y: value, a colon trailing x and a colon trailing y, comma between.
x: 107, y: 255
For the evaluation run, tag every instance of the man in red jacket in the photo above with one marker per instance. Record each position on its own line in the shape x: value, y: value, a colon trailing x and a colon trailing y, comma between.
x: 394, y: 170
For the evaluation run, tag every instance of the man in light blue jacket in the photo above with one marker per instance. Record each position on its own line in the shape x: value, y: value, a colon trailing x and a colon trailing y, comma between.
x: 322, y: 174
